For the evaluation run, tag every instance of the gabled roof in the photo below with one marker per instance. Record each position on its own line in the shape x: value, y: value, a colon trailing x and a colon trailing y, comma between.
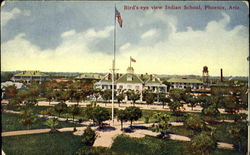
x: 89, y: 76
x: 125, y: 77
x: 31, y: 73
x: 108, y: 78
x: 153, y: 80
x: 184, y: 80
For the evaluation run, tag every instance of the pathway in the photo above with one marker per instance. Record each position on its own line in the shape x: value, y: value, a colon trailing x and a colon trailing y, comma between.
x: 105, y: 138
x: 142, y: 106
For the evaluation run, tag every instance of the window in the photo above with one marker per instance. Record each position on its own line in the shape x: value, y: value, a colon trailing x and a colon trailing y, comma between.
x: 137, y: 87
x: 120, y: 87
x: 129, y: 86
x: 129, y: 78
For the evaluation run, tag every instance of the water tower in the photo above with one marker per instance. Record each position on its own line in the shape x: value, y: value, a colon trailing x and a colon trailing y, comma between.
x: 205, y: 74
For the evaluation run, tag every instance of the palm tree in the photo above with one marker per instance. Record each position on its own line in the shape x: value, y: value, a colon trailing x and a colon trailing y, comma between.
x: 122, y: 115
x: 60, y: 107
x: 74, y: 110
x: 28, y: 118
x: 52, y: 123
x: 163, y: 99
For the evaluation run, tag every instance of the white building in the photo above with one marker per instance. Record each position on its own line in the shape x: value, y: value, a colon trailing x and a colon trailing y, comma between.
x: 183, y: 83
x: 132, y: 81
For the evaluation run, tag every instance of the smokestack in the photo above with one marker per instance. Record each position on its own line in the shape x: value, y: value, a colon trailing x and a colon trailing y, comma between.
x: 221, y: 75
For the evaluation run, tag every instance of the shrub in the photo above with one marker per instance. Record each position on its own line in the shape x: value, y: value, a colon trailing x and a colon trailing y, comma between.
x: 89, y: 137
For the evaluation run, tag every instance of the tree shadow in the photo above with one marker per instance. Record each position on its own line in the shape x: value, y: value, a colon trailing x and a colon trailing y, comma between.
x: 105, y: 128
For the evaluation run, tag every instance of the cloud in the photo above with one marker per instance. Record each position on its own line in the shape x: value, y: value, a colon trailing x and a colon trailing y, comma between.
x: 150, y: 33
x: 183, y: 52
x: 93, y: 34
x: 14, y: 13
x: 73, y: 54
x: 68, y: 33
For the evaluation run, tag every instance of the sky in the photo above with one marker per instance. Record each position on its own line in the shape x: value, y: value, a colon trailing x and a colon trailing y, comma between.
x: 66, y: 36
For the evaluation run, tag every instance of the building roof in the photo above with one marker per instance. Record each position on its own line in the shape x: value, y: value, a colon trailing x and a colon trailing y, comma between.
x: 31, y: 73
x: 153, y: 80
x: 184, y: 80
x: 108, y: 78
x: 125, y: 77
x: 18, y: 85
x: 89, y: 76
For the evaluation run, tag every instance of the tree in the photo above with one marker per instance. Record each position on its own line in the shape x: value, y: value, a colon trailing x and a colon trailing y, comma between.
x: 119, y: 98
x: 231, y: 106
x: 107, y: 95
x: 191, y: 100
x: 175, y: 106
x: 49, y: 95
x: 238, y: 132
x: 177, y: 94
x: 13, y: 102
x: 88, y: 112
x: 100, y: 115
x: 150, y: 98
x: 22, y: 95
x: 52, y: 123
x: 163, y: 99
x: 77, y: 95
x: 97, y: 93
x: 60, y: 107
x: 195, y: 123
x: 203, y: 100
x: 10, y: 91
x: 27, y: 118
x: 211, y: 113
x: 64, y: 95
x: 74, y: 110
x: 122, y: 116
x: 88, y: 137
x: 162, y: 120
x: 133, y: 113
x: 132, y: 95
x: 202, y: 144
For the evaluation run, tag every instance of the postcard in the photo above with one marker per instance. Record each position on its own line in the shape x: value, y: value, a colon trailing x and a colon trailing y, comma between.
x: 146, y: 48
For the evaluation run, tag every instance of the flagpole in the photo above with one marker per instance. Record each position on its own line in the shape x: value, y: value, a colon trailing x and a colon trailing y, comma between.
x: 113, y: 71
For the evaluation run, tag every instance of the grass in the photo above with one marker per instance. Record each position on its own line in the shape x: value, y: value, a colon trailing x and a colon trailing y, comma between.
x: 38, y: 109
x: 11, y: 122
x: 64, y: 143
x: 150, y: 145
x: 150, y: 113
x: 35, y: 109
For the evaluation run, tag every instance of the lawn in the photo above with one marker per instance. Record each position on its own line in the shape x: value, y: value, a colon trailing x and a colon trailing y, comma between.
x: 182, y: 117
x: 150, y: 145
x: 38, y: 109
x: 11, y: 122
x: 64, y: 143
x: 35, y: 109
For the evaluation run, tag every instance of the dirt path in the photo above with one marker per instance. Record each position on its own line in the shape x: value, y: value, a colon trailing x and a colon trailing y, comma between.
x: 35, y: 131
x: 142, y: 106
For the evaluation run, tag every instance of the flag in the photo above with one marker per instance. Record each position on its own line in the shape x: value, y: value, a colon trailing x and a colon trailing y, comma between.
x: 133, y: 60
x: 118, y: 16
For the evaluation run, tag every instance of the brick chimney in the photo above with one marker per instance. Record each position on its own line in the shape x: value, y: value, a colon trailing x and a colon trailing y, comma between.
x: 109, y: 76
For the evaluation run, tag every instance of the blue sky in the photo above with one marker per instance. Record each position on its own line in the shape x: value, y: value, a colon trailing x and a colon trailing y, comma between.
x: 78, y: 36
